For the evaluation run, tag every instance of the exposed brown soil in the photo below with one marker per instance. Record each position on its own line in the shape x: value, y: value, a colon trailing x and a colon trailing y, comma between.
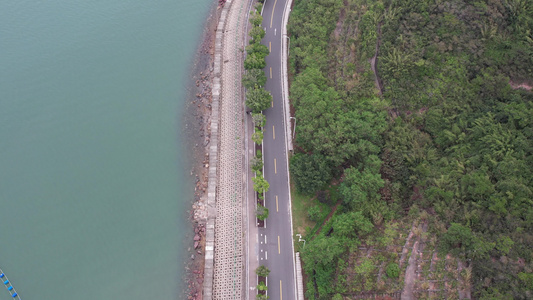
x: 410, y: 272
x: 374, y: 62
x: 342, y: 17
x: 408, y: 244
x: 524, y: 85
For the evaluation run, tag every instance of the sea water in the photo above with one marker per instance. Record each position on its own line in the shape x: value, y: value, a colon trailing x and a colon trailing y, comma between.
x: 93, y: 177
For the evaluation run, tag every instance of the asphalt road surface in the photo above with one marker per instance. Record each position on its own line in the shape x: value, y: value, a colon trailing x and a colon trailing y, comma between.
x: 276, y: 251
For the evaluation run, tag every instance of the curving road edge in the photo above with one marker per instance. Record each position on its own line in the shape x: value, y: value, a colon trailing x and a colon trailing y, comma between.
x: 288, y: 137
x: 284, y: 75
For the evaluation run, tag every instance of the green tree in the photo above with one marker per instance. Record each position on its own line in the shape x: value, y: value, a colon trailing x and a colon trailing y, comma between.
x: 257, y: 137
x: 256, y: 19
x: 259, y: 120
x: 366, y: 267
x: 314, y: 213
x: 257, y: 33
x: 360, y: 190
x: 261, y: 297
x: 262, y: 286
x: 527, y: 279
x: 261, y: 212
x: 254, y: 61
x: 397, y: 62
x: 261, y: 186
x: 328, y: 127
x: 390, y: 235
x: 337, y: 297
x: 311, y: 172
x: 258, y: 99
x: 254, y: 78
x: 457, y: 236
x: 257, y: 49
x: 393, y: 270
x: 320, y: 256
x: 256, y: 163
x: 504, y: 245
x: 460, y: 239
x: 351, y: 225
x: 262, y: 271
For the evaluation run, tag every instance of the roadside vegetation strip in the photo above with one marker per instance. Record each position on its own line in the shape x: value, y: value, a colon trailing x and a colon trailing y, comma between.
x: 262, y: 282
x: 257, y: 100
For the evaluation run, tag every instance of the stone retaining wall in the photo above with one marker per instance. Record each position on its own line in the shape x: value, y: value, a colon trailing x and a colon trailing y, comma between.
x: 224, y: 230
x: 213, y: 162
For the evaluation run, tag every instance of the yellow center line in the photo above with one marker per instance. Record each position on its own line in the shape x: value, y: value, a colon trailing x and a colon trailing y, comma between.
x: 280, y: 291
x: 275, y: 168
x: 279, y: 249
x: 273, y: 9
x: 273, y: 132
x: 277, y: 208
x: 272, y: 103
x: 270, y: 72
x: 269, y: 46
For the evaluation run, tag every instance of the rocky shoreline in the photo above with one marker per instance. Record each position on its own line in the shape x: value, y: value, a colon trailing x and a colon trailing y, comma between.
x: 197, y: 129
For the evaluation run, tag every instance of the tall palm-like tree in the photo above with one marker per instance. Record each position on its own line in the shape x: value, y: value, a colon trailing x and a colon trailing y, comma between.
x: 520, y: 13
x: 397, y: 62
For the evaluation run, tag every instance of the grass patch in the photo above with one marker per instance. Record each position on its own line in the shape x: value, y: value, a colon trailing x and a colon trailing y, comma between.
x: 300, y: 218
x: 300, y: 205
x: 300, y: 208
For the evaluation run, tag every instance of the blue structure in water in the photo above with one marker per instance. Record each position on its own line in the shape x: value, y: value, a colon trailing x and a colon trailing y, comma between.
x: 9, y: 286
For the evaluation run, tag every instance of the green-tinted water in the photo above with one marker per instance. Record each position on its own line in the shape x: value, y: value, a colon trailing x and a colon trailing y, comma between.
x: 93, y: 186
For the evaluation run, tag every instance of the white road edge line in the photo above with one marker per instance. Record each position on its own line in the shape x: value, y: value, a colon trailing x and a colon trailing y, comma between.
x: 285, y: 95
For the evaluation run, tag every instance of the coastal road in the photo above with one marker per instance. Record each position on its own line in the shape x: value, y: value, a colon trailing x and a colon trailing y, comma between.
x: 276, y: 241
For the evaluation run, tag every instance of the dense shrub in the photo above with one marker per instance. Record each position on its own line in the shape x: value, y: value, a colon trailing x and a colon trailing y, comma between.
x: 393, y: 270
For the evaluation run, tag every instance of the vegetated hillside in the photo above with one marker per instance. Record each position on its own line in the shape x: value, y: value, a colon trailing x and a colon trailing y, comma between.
x: 438, y: 146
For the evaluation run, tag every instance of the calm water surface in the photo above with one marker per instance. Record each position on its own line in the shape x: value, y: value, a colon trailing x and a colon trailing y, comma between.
x: 93, y: 184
